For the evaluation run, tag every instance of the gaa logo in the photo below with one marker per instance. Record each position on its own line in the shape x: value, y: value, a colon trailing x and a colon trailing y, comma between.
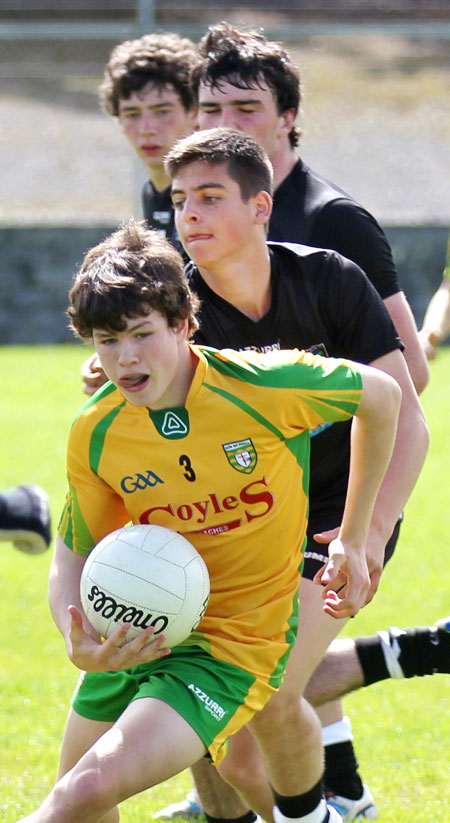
x: 241, y: 455
x: 139, y: 482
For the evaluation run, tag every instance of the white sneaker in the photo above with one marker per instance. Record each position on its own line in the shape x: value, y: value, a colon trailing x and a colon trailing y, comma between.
x: 334, y: 816
x: 362, y: 809
x: 190, y: 807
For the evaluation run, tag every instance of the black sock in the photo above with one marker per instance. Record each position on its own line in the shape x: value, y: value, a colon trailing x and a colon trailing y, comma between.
x: 249, y: 817
x: 341, y: 771
x: 300, y: 804
x: 405, y: 652
x: 371, y: 658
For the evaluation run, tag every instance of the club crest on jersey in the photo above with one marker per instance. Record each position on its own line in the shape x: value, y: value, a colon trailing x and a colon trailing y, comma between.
x: 241, y: 455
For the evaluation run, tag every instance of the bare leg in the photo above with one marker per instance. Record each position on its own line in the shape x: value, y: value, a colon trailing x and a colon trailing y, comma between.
x: 218, y: 798
x: 291, y: 746
x: 244, y: 757
x: 79, y: 735
x: 287, y: 724
x: 338, y: 674
x: 289, y: 739
x: 316, y: 632
x: 243, y: 768
x: 330, y: 713
x: 148, y: 744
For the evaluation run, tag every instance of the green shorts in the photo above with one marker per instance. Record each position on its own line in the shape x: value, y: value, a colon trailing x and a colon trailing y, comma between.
x: 214, y: 697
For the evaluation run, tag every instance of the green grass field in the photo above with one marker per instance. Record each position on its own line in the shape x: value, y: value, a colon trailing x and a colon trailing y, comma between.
x: 402, y: 729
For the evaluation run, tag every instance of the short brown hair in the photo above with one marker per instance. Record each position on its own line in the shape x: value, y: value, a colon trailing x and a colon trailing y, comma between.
x: 132, y: 272
x: 246, y: 161
x: 244, y: 57
x: 162, y: 59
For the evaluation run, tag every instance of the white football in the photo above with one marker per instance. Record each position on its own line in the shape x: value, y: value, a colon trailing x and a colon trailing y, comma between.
x: 145, y: 576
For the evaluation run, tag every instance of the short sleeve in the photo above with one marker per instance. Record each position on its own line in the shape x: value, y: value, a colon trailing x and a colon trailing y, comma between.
x: 347, y: 228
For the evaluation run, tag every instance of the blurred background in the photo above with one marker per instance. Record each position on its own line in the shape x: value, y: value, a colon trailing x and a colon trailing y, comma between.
x: 375, y: 119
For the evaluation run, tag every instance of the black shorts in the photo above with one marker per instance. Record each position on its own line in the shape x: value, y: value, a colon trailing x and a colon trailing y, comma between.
x: 316, y: 554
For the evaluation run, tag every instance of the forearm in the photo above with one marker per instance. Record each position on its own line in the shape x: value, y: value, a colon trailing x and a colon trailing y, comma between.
x: 345, y: 577
x: 406, y: 463
x: 403, y: 319
x: 64, y: 585
x: 411, y: 445
x: 372, y: 444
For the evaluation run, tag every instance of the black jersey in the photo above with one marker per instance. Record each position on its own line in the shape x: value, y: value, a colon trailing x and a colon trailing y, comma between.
x: 158, y: 212
x: 309, y: 209
x: 318, y: 297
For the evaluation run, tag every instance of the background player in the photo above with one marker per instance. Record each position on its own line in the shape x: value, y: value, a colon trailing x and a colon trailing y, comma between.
x: 246, y: 82
x: 146, y: 87
x: 136, y: 720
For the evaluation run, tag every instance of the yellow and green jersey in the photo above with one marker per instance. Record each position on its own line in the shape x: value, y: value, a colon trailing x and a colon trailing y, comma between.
x: 230, y: 472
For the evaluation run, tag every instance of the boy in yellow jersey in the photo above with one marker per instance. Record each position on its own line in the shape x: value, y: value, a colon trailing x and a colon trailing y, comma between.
x: 222, y: 440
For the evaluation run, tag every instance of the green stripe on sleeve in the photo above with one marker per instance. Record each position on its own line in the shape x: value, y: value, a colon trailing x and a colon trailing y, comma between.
x: 248, y: 409
x: 103, y: 391
x: 98, y: 437
x: 82, y: 537
x: 72, y: 526
x: 65, y: 523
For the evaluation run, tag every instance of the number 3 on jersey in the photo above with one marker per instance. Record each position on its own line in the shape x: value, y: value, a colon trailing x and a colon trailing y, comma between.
x: 189, y: 472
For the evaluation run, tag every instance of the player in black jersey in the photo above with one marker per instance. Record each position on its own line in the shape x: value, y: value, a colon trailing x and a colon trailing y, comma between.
x: 146, y: 86
x: 246, y: 82
x: 281, y: 295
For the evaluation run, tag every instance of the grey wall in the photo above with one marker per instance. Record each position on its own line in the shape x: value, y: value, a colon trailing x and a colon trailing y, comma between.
x: 36, y: 270
x: 37, y: 265
x: 419, y: 253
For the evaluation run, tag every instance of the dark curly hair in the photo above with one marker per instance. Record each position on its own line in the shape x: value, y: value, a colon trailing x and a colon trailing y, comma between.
x: 132, y: 272
x: 244, y: 57
x: 162, y: 59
